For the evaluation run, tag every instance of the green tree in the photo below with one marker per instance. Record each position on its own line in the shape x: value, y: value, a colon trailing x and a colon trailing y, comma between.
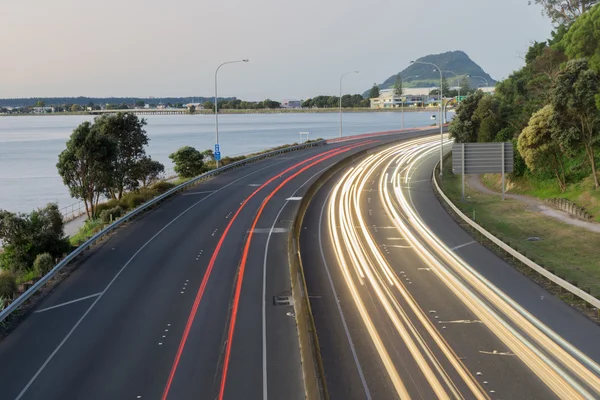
x: 40, y: 103
x: 487, y: 120
x: 208, y: 105
x: 574, y: 102
x: 346, y: 100
x: 192, y: 110
x: 582, y: 40
x: 146, y: 170
x: 24, y: 236
x: 445, y: 86
x: 398, y: 89
x: 140, y: 103
x: 357, y: 100
x: 464, y: 128
x: 209, y: 155
x: 75, y: 108
x: 308, y: 103
x: 127, y: 131
x: 539, y: 149
x: 564, y: 11
x: 374, y: 92
x: 43, y: 263
x: 189, y: 162
x: 87, y: 164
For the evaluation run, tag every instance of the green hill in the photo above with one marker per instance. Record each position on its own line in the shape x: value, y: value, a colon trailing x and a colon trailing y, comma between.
x: 456, y: 61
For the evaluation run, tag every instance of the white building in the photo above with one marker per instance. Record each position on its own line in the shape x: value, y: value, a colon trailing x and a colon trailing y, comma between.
x: 291, y: 104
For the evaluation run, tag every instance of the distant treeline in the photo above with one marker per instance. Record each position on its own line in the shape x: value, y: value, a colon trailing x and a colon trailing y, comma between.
x: 85, y: 101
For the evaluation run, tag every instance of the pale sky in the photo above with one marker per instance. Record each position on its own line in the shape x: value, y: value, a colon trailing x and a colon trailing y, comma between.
x: 297, y: 48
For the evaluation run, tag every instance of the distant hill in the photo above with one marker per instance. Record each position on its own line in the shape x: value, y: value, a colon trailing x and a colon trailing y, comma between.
x: 456, y: 61
x: 84, y: 101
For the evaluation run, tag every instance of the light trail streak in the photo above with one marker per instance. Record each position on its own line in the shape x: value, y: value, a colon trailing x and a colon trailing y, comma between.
x: 541, y: 350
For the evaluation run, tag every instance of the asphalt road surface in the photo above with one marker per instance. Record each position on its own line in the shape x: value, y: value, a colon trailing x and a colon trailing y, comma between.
x: 179, y: 304
x: 408, y: 305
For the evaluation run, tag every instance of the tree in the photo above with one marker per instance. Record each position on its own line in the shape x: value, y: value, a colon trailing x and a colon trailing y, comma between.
x: 538, y: 147
x: 374, y: 92
x: 87, y: 164
x: 40, y: 103
x: 189, y: 162
x: 192, y: 110
x: 564, y: 11
x: 347, y: 101
x: 127, y: 131
x: 464, y: 128
x: 208, y: 155
x: 24, y: 236
x: 140, y: 103
x: 208, y: 105
x: 574, y: 101
x: 486, y: 119
x: 398, y: 89
x: 74, y: 108
x: 582, y: 40
x: 147, y: 171
x: 308, y: 103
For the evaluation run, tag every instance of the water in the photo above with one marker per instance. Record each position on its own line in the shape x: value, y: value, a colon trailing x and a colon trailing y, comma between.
x: 29, y: 146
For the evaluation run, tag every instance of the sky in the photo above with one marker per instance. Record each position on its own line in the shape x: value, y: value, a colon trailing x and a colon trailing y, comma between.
x: 297, y: 48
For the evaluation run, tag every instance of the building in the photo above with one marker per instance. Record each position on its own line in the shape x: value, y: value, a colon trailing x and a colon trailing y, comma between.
x: 413, y: 97
x: 43, y: 110
x: 291, y: 104
x: 197, y: 106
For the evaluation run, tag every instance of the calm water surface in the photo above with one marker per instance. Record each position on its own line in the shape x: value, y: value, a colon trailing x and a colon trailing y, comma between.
x: 29, y: 146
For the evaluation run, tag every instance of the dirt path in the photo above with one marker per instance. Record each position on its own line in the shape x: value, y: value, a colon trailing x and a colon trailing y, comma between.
x: 534, y: 204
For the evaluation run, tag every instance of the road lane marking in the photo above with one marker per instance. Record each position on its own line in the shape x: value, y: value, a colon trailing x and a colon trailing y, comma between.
x: 269, y: 230
x: 68, y: 302
x: 294, y: 198
x: 496, y: 353
x: 70, y: 333
x: 462, y: 245
x: 264, y: 286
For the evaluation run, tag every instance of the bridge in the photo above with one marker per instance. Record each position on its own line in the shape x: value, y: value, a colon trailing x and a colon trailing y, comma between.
x: 143, y: 111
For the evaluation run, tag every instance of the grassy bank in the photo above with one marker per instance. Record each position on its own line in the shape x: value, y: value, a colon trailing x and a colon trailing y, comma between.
x: 567, y: 251
x: 581, y: 193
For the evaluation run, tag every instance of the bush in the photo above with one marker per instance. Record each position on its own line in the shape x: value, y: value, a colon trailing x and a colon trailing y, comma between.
x: 107, y: 216
x: 8, y: 284
x: 134, y: 199
x: 43, y: 264
x: 106, y: 206
x: 161, y: 187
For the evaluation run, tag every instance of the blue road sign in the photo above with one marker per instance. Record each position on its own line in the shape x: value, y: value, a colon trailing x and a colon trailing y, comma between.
x: 218, y: 155
x: 217, y: 148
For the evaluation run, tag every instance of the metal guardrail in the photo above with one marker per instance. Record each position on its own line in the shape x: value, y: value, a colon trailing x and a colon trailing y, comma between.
x: 526, y: 261
x: 39, y: 284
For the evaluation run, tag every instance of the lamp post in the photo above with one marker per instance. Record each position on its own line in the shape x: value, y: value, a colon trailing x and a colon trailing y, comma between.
x: 342, y: 77
x: 479, y: 77
x: 216, y: 104
x: 402, y: 94
x: 458, y: 82
x: 441, y: 111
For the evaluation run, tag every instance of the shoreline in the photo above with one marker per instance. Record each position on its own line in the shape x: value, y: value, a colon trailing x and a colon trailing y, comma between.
x: 246, y: 111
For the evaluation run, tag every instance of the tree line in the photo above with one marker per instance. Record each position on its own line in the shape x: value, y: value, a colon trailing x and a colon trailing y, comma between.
x: 549, y: 109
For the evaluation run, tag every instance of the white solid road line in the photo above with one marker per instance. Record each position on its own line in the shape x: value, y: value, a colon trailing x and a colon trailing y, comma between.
x: 62, y: 343
x: 264, y: 284
x: 462, y: 245
x: 194, y: 193
x: 68, y: 302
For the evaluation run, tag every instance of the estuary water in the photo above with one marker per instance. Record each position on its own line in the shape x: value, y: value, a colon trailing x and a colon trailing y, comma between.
x: 30, y: 145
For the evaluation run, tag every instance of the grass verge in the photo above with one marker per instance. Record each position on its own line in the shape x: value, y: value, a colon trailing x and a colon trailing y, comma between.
x: 567, y: 251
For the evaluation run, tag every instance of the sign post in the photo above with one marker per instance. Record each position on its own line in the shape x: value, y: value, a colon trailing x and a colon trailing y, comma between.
x: 217, y: 153
x: 483, y: 158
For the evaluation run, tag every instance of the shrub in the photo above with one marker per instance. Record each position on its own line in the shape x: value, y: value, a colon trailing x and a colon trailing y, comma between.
x: 43, y: 264
x: 107, y: 215
x: 106, y: 206
x: 161, y: 187
x: 134, y: 200
x: 8, y: 284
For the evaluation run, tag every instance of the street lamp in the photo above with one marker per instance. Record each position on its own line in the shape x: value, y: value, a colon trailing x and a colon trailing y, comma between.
x: 342, y: 77
x: 441, y: 111
x: 402, y: 99
x: 458, y: 82
x: 479, y: 77
x: 217, y: 107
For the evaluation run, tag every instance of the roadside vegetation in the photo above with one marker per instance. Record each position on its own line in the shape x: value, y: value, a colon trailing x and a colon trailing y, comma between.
x: 567, y: 251
x: 549, y: 110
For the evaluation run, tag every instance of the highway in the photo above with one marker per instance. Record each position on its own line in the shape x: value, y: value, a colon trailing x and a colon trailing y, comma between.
x: 408, y: 305
x: 179, y: 303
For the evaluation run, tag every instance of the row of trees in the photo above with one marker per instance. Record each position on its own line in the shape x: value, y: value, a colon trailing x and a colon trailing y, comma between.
x: 465, y: 88
x: 550, y: 108
x: 107, y: 158
x: 348, y: 101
